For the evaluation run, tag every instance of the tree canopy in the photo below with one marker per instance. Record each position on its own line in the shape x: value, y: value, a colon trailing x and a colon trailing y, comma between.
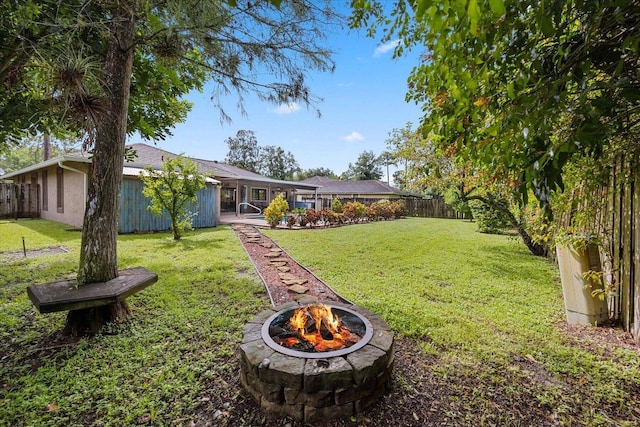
x: 278, y: 164
x: 366, y: 167
x: 244, y: 151
x: 311, y: 172
x: 520, y: 85
x: 107, y: 69
x: 272, y: 161
x: 173, y: 189
x: 51, y: 72
x: 31, y: 151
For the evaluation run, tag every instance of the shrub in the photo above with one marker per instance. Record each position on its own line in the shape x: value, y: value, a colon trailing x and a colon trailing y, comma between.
x: 489, y: 220
x: 353, y: 211
x: 453, y: 199
x: 311, y: 216
x: 397, y: 208
x: 298, y: 216
x: 385, y: 209
x: 329, y: 217
x: 336, y: 205
x: 380, y: 210
x: 276, y: 210
x: 373, y: 212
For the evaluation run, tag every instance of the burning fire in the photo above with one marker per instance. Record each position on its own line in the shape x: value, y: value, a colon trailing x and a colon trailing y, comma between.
x: 318, y: 326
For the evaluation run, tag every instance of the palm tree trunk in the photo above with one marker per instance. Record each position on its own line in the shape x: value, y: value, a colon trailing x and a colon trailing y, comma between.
x: 98, y: 252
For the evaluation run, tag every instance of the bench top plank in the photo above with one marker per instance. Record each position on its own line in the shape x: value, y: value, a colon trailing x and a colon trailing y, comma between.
x: 67, y: 295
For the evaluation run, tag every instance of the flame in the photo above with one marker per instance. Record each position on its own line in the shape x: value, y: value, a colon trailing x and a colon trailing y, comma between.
x: 290, y: 341
x: 318, y: 325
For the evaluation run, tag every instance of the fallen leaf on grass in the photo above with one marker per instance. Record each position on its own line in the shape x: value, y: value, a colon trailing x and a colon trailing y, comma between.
x: 52, y: 407
x: 144, y: 419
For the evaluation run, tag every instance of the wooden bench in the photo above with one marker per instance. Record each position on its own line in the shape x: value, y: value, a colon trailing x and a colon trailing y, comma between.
x: 67, y: 295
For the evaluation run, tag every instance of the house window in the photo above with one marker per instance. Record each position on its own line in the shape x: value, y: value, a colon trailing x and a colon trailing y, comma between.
x: 259, y: 194
x: 60, y: 188
x: 45, y: 191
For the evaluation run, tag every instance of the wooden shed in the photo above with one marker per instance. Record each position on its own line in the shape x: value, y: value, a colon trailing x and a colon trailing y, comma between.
x: 136, y: 218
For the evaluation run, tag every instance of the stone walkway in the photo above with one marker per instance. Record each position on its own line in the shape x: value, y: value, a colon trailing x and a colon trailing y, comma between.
x: 284, y: 278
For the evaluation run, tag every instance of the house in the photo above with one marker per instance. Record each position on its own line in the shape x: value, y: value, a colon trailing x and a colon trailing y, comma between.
x: 367, y: 191
x: 241, y: 191
x: 63, y: 183
x: 63, y: 187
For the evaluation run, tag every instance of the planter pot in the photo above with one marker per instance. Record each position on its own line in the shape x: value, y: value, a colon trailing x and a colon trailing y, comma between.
x: 581, y: 308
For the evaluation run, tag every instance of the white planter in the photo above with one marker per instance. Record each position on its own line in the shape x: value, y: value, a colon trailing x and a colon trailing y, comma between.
x: 581, y: 308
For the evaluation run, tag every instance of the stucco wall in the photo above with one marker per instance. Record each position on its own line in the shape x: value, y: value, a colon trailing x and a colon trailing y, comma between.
x: 73, y: 196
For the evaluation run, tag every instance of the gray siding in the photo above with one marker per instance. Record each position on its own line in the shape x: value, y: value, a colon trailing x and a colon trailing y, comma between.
x: 135, y: 217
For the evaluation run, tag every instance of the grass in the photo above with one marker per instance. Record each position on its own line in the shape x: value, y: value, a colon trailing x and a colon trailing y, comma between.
x: 484, y: 313
x: 439, y: 282
x: 480, y: 303
x: 184, y: 335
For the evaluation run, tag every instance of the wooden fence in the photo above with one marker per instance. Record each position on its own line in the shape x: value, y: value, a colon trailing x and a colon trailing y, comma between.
x: 19, y: 201
x: 624, y: 214
x: 424, y: 208
x: 617, y: 223
x: 430, y: 208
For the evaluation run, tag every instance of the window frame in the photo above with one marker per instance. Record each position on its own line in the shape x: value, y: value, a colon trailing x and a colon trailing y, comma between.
x: 259, y: 190
x: 60, y: 189
x: 45, y: 190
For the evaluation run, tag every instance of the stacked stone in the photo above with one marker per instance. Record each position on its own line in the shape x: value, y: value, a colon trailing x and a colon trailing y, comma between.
x: 313, y: 390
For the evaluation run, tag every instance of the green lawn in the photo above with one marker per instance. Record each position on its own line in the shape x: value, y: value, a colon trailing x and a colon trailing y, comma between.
x: 186, y: 330
x: 483, y: 315
x: 439, y: 282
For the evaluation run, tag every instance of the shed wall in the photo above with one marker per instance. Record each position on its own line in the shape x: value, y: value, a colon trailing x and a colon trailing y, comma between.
x: 135, y: 217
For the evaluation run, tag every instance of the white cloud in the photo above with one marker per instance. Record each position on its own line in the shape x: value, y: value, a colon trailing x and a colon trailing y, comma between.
x: 289, y: 108
x: 353, y: 137
x: 388, y: 46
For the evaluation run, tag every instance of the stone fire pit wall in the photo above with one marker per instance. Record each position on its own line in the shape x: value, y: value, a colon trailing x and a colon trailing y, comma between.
x: 313, y: 390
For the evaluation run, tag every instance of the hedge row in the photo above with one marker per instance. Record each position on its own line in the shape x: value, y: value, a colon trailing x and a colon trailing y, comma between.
x: 347, y: 213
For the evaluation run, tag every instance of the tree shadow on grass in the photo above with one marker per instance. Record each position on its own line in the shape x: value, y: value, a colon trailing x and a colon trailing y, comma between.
x: 57, y: 231
x: 517, y: 266
x: 192, y: 240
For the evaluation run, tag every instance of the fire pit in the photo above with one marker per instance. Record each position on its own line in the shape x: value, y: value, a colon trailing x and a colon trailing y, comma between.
x: 317, y: 331
x: 313, y: 361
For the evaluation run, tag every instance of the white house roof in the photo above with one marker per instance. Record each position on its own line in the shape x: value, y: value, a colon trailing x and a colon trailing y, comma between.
x: 47, y: 163
x: 130, y: 171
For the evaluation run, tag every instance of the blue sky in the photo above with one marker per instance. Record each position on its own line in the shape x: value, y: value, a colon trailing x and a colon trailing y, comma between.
x: 363, y: 100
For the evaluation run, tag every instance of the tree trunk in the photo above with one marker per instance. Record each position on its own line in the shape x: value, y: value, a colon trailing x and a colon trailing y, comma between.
x: 98, y: 252
x: 535, y: 248
x: 46, y: 145
x: 90, y: 321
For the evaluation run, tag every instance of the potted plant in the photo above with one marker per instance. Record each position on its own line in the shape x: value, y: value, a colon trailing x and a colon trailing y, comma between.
x: 580, y: 267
